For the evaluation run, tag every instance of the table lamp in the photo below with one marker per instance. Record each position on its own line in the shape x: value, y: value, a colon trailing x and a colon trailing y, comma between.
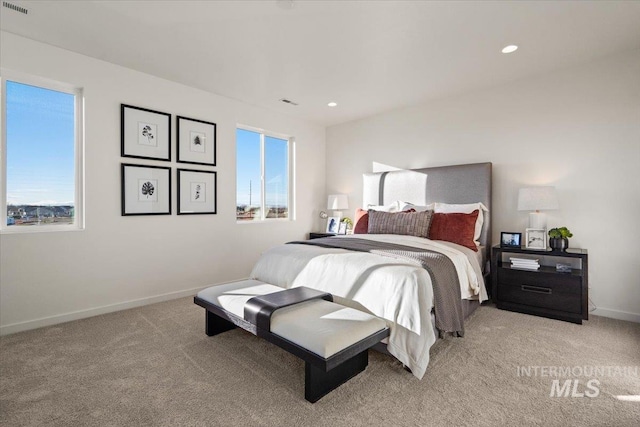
x: 337, y: 203
x: 537, y: 199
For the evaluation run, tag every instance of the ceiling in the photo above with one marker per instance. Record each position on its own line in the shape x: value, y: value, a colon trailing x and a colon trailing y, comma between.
x: 368, y: 56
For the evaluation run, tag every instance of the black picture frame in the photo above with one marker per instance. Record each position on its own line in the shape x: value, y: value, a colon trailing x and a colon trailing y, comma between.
x: 143, y: 181
x: 145, y: 133
x: 510, y: 239
x: 203, y: 150
x: 197, y: 192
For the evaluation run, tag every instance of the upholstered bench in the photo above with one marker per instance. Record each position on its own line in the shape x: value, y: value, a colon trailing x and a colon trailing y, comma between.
x: 333, y: 340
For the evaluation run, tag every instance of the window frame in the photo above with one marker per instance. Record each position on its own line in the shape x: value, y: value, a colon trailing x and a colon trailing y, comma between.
x: 79, y: 160
x: 290, y: 174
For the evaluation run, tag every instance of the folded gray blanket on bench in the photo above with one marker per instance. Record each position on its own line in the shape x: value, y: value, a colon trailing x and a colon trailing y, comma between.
x: 446, y: 286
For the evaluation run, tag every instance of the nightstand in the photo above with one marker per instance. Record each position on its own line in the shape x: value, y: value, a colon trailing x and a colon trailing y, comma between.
x: 319, y: 235
x: 543, y: 292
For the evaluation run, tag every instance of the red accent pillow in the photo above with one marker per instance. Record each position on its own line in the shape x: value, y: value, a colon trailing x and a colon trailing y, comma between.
x: 361, y: 223
x: 455, y: 227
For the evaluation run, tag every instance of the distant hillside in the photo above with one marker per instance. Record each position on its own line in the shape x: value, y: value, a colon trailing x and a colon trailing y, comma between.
x: 39, y: 211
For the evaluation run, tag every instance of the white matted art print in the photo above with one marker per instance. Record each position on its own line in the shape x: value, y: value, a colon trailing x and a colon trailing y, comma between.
x: 536, y: 238
x: 196, y: 192
x: 146, y: 190
x: 145, y: 134
x: 196, y: 141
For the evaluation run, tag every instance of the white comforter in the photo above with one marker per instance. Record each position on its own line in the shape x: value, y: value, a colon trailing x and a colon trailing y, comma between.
x: 398, y: 292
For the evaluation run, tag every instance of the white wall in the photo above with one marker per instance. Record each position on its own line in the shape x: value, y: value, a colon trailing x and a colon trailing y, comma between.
x: 577, y: 129
x: 119, y: 262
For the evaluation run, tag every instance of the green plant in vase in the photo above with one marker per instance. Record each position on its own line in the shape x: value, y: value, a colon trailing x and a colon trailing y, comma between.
x: 349, y: 223
x: 559, y: 238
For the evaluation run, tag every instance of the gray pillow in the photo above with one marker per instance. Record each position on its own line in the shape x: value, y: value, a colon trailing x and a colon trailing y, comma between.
x: 405, y: 223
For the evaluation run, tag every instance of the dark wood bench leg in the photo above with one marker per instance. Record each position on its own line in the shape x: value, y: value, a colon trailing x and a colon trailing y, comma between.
x: 215, y: 325
x: 317, y: 382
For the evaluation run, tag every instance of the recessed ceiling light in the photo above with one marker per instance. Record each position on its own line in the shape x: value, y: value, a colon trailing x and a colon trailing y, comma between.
x: 509, y: 49
x: 332, y: 104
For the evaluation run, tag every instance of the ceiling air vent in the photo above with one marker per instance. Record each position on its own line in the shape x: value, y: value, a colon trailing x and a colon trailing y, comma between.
x: 14, y: 7
x: 288, y: 101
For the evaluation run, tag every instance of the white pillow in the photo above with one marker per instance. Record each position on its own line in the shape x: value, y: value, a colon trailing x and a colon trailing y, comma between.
x: 465, y: 208
x: 393, y: 207
x: 406, y: 206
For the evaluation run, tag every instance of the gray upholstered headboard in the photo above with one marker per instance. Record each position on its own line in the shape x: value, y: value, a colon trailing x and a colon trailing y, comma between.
x: 448, y: 184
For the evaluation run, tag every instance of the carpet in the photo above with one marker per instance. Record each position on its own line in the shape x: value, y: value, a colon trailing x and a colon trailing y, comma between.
x: 154, y: 366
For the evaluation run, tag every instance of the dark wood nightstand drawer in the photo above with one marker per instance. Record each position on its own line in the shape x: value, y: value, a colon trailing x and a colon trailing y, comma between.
x: 539, y: 289
x: 546, y: 291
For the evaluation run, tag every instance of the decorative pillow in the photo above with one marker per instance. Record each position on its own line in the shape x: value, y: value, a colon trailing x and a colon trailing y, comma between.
x: 410, y: 223
x: 362, y: 216
x: 455, y: 227
x: 361, y: 222
x: 465, y: 208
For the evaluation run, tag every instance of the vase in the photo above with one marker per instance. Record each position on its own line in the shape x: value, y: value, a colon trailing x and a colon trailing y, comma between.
x: 558, y: 243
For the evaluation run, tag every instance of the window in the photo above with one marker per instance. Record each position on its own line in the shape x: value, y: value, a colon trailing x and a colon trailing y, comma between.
x: 262, y: 176
x: 41, y: 156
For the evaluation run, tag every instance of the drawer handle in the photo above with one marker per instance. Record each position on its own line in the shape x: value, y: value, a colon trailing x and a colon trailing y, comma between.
x: 536, y: 289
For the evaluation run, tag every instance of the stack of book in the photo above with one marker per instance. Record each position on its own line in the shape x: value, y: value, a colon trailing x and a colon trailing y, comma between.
x: 526, y: 263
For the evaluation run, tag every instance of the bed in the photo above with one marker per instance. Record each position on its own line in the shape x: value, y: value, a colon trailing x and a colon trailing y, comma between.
x: 422, y: 287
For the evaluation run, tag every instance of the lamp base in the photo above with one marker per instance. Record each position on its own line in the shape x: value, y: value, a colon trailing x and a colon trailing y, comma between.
x: 537, y: 220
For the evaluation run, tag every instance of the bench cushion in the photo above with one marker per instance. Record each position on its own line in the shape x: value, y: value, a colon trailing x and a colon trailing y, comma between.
x: 233, y: 296
x: 322, y: 327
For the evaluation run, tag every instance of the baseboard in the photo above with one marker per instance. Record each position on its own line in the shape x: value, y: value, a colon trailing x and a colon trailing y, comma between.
x: 616, y: 314
x: 82, y: 314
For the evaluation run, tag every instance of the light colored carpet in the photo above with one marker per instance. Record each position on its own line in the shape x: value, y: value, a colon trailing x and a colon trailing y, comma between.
x: 154, y: 365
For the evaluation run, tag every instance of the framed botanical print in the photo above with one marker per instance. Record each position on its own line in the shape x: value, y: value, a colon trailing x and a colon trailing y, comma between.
x: 145, y: 134
x: 536, y: 238
x: 196, y: 192
x: 196, y: 141
x: 146, y: 190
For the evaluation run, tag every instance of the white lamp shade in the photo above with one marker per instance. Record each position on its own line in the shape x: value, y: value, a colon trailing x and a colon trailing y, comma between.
x: 337, y: 202
x: 538, y: 199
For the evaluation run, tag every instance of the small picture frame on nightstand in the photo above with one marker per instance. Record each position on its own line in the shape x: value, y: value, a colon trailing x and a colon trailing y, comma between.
x: 536, y: 238
x: 342, y: 228
x: 510, y: 240
x: 332, y: 224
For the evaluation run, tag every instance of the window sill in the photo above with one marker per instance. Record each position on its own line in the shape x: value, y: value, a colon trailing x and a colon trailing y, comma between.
x: 262, y: 221
x: 37, y: 229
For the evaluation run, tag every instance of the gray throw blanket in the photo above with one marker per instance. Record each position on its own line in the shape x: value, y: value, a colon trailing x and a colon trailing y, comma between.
x: 446, y: 286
